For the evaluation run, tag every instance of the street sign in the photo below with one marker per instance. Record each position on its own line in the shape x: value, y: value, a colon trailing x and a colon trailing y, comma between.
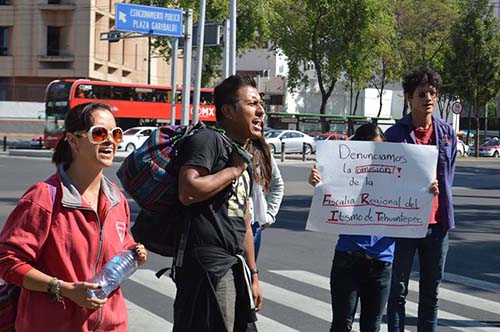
x: 212, y: 36
x: 456, y: 107
x: 149, y: 20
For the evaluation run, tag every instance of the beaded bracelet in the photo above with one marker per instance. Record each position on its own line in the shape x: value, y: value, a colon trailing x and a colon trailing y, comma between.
x: 49, y: 287
x: 56, y: 297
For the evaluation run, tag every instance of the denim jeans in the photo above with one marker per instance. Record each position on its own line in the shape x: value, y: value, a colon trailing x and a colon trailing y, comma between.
x: 356, y: 277
x: 257, y: 234
x: 432, y: 251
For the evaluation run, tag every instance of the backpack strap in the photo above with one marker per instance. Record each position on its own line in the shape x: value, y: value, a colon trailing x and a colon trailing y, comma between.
x: 53, y: 191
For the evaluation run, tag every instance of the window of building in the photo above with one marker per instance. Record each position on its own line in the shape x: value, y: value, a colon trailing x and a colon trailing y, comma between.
x: 53, y: 40
x: 4, y: 2
x: 54, y: 2
x: 3, y: 89
x: 4, y: 41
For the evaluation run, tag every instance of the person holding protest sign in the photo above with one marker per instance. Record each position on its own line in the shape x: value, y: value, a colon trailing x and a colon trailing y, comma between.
x: 420, y: 88
x: 361, y: 266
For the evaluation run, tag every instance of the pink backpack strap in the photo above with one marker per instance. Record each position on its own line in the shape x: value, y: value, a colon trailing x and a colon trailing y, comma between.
x: 53, y: 191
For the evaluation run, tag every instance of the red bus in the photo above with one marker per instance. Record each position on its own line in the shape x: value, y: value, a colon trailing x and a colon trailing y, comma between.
x: 132, y: 104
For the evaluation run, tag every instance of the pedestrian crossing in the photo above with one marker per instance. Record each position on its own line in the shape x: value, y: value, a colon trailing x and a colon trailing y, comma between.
x: 470, y: 313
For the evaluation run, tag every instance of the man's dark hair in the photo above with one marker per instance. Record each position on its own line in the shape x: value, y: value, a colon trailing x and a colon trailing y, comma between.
x: 419, y: 76
x: 226, y: 93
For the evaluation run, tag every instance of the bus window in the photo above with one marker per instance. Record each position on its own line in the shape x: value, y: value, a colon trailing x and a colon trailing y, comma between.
x: 57, y: 97
x: 143, y: 94
x: 100, y: 92
x: 79, y: 93
x: 59, y: 91
x: 206, y: 98
x: 160, y: 96
x: 121, y: 93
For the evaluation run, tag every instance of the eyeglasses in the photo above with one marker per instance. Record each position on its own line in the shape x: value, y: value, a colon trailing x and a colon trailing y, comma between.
x: 423, y: 94
x: 99, y: 134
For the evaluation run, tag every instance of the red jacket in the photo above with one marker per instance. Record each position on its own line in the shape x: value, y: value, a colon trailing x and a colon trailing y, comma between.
x: 68, y: 240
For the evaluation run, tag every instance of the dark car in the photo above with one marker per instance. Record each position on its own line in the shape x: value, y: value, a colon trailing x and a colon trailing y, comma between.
x: 331, y: 137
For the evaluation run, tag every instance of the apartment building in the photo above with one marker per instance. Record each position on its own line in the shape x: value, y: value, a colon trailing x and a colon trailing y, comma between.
x: 44, y: 40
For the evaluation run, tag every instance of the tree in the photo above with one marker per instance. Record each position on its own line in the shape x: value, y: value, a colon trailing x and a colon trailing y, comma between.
x: 368, y: 43
x: 252, y: 28
x: 423, y: 32
x: 334, y: 35
x: 387, y: 69
x: 474, y: 57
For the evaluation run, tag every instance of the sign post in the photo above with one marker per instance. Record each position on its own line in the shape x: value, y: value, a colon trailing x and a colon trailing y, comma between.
x: 186, y: 81
x: 456, y: 108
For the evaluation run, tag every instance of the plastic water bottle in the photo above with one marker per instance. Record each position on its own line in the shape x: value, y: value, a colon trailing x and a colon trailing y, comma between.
x: 117, y: 270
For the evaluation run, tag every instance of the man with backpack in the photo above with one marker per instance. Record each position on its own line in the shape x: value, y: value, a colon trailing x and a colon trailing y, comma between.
x: 218, y: 290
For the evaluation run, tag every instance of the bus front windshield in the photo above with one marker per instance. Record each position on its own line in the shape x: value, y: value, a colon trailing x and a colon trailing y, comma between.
x: 57, y: 98
x: 54, y: 124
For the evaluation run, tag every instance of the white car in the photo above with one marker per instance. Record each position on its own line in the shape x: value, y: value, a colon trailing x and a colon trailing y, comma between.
x: 294, y: 141
x: 462, y: 148
x: 134, y: 137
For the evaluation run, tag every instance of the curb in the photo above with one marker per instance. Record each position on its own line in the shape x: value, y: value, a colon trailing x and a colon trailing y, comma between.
x: 119, y: 156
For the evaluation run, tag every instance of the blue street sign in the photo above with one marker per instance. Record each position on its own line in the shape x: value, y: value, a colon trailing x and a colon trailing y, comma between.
x: 149, y: 20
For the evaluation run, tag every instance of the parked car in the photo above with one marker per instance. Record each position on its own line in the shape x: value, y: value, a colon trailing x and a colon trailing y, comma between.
x: 462, y: 148
x: 294, y: 141
x: 490, y: 149
x: 331, y: 137
x: 134, y: 137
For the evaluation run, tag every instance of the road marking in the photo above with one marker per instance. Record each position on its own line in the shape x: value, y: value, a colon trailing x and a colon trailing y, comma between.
x: 457, y: 297
x: 469, y: 325
x: 480, y: 284
x: 308, y: 305
x: 313, y: 307
x: 141, y: 320
x: 411, y: 307
x: 166, y: 286
x: 321, y: 282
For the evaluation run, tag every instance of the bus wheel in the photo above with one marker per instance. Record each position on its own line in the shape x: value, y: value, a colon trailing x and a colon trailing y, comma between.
x: 130, y: 147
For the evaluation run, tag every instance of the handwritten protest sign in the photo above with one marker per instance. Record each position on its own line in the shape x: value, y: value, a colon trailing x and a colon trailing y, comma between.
x: 370, y: 188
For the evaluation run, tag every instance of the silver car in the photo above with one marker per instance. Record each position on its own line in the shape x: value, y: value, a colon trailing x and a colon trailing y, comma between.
x: 134, y: 137
x: 294, y: 141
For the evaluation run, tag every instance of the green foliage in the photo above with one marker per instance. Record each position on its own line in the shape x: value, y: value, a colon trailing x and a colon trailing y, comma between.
x: 252, y: 24
x: 473, y: 60
x: 423, y: 30
x: 335, y: 35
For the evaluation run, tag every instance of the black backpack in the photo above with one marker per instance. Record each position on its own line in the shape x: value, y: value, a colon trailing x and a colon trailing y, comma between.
x: 149, y: 175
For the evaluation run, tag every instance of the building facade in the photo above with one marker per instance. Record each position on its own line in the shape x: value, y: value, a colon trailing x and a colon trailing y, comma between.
x: 45, y: 40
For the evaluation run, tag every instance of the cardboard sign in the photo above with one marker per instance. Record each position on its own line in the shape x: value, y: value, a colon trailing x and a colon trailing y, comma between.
x: 370, y: 188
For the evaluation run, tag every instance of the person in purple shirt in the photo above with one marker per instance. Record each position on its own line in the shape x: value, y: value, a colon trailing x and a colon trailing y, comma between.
x: 361, y: 267
x: 421, y: 126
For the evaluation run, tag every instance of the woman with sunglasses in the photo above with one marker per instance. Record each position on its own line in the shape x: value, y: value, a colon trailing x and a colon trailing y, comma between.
x: 64, y: 230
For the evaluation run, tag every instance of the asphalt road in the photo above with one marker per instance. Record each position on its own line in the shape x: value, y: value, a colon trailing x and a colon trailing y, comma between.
x: 295, y: 264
